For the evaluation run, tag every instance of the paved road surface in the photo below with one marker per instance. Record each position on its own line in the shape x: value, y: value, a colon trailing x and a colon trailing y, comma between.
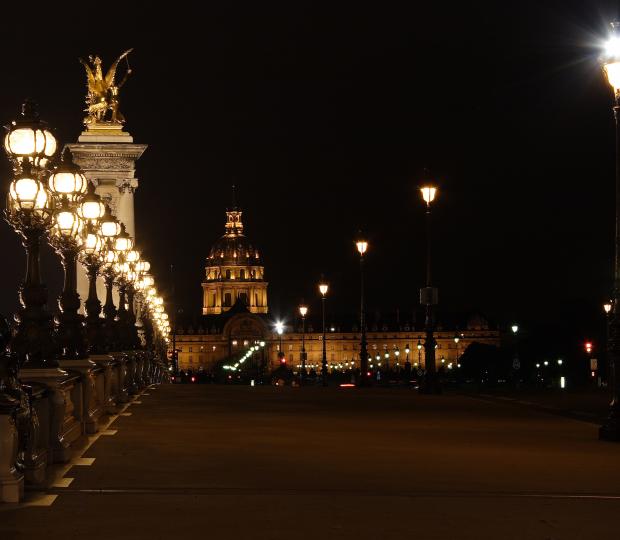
x: 287, y: 463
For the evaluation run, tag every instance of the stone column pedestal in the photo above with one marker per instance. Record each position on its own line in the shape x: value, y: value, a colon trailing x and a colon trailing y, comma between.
x: 11, y: 480
x: 122, y: 377
x: 91, y: 406
x: 107, y: 392
x: 58, y: 422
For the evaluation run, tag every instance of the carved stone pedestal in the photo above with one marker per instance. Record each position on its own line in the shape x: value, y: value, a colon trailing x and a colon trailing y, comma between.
x: 57, y: 414
x: 107, y: 391
x: 122, y: 380
x: 91, y: 407
x: 11, y: 481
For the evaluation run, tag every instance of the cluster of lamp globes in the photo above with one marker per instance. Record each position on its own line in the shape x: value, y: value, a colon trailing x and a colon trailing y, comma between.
x: 254, y: 348
x: 58, y: 198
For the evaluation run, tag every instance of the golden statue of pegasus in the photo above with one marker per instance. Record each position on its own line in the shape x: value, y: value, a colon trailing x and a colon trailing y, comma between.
x: 103, y: 92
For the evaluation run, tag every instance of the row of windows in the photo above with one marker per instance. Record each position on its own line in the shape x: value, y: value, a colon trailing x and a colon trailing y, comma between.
x: 235, y: 274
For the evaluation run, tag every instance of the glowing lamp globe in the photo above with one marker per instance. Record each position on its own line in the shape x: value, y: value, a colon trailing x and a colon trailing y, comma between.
x: 27, y: 194
x: 323, y: 287
x: 67, y: 179
x: 303, y: 310
x: 362, y: 246
x: 132, y: 256
x: 67, y: 224
x: 29, y: 139
x: 109, y: 225
x: 143, y: 266
x: 91, y: 208
x: 123, y: 241
x: 92, y: 243
x: 428, y: 194
x: 611, y: 58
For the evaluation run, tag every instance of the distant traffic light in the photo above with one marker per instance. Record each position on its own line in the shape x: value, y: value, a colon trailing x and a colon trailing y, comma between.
x: 588, y: 346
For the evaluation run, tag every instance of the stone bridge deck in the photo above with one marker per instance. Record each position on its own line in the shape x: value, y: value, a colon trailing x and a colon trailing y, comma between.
x: 275, y: 463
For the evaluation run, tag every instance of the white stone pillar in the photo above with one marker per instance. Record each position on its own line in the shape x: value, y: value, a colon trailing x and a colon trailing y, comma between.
x: 108, y: 158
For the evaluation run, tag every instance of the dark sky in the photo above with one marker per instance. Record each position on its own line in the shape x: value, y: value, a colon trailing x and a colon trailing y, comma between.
x: 325, y: 118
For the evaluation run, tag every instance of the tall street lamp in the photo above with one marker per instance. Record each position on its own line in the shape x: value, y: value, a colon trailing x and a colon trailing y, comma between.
x: 29, y: 145
x: 91, y: 210
x: 280, y: 331
x: 67, y: 184
x: 428, y: 298
x: 303, y: 311
x: 323, y: 287
x: 610, y: 430
x: 362, y: 247
x: 419, y: 346
x: 110, y: 228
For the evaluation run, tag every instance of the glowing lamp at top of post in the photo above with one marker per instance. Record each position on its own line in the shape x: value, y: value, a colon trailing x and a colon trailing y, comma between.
x: 92, y: 242
x: 362, y: 246
x: 323, y: 288
x: 611, y: 58
x: 29, y: 138
x: 67, y: 179
x: 109, y: 225
x: 91, y: 208
x: 303, y: 310
x: 67, y: 224
x: 280, y: 328
x: 27, y: 194
x: 428, y: 193
x: 514, y: 328
x: 123, y: 242
x: 607, y: 307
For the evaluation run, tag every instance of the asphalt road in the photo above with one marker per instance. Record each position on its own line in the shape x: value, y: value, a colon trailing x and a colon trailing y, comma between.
x: 279, y: 462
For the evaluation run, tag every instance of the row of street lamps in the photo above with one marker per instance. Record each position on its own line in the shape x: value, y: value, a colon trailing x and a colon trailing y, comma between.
x: 55, y: 200
x: 428, y: 297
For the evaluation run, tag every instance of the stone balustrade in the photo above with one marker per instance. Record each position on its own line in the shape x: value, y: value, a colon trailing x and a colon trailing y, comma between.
x: 45, y: 412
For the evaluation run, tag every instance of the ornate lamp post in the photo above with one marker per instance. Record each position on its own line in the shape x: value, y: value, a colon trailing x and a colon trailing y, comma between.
x: 91, y: 210
x: 323, y: 288
x: 280, y: 331
x: 303, y: 311
x: 407, y: 364
x: 68, y: 185
x: 90, y: 257
x: 29, y: 145
x: 109, y: 228
x: 123, y: 244
x: 428, y: 298
x: 610, y: 430
x: 419, y: 346
x: 362, y: 247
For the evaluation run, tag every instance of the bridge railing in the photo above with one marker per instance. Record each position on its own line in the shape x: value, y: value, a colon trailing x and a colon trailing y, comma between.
x: 43, y: 419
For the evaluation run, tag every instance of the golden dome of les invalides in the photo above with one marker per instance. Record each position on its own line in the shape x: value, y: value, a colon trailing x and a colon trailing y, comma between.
x: 234, y: 271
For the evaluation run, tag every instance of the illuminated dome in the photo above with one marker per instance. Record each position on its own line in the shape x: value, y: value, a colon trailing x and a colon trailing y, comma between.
x: 234, y: 271
x: 233, y: 248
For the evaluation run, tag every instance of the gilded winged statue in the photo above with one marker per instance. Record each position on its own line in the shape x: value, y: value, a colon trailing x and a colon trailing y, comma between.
x: 102, y: 94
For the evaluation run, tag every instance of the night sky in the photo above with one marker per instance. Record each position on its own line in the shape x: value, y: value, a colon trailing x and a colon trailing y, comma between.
x: 325, y: 117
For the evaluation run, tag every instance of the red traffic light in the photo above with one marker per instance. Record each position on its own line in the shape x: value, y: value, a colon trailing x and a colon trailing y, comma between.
x: 283, y: 360
x: 193, y: 379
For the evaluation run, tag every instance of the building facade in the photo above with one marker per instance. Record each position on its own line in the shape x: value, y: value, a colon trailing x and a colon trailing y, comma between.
x: 235, y: 318
x: 234, y: 272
